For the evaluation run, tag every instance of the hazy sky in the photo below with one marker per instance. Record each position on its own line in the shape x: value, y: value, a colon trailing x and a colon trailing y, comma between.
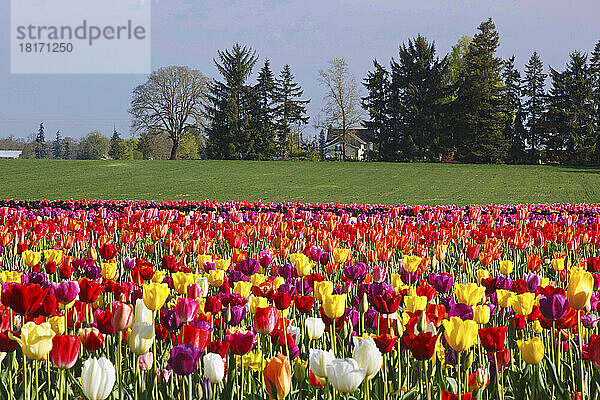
x: 303, y: 33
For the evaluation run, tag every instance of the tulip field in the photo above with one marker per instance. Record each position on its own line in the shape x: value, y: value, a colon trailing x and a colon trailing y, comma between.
x: 257, y: 300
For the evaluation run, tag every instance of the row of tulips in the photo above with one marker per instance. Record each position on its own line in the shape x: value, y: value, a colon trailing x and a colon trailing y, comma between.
x: 147, y: 300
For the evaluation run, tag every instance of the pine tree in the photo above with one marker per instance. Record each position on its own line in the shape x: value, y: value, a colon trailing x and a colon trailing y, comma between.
x: 115, y: 145
x: 230, y: 133
x: 571, y: 111
x: 418, y: 80
x: 478, y: 107
x: 66, y: 149
x: 264, y: 112
x: 57, y: 146
x: 377, y: 105
x: 533, y: 89
x: 514, y: 131
x: 290, y: 109
x: 40, y: 142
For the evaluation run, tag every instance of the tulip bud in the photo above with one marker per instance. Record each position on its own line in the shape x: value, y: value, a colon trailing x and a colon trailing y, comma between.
x: 300, y: 369
x: 469, y: 362
x: 422, y: 324
x: 364, y: 304
x: 227, y: 314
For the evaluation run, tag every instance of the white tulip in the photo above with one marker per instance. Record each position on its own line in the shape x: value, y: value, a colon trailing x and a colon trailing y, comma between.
x: 345, y: 375
x: 318, y: 360
x: 368, y: 356
x: 214, y: 367
x: 203, y: 283
x: 142, y: 313
x: 97, y: 378
x: 140, y: 337
x: 315, y: 327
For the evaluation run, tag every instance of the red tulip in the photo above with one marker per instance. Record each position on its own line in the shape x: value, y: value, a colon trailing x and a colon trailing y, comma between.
x: 304, y: 304
x: 385, y: 343
x: 212, y: 305
x: 108, y: 251
x: 218, y: 347
x: 24, y: 299
x: 65, y: 351
x: 241, y: 343
x: 593, y: 350
x: 89, y: 290
x: 7, y: 345
x: 282, y: 300
x: 422, y: 345
x: 473, y: 251
x: 196, y: 336
x: 91, y: 338
x: 103, y: 319
x: 265, y: 319
x: 492, y: 339
x: 447, y: 396
x: 388, y: 303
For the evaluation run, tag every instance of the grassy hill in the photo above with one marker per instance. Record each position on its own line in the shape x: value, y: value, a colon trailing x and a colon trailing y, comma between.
x: 427, y: 184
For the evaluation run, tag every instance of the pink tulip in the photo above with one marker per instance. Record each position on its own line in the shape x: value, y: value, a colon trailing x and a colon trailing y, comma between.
x: 186, y: 309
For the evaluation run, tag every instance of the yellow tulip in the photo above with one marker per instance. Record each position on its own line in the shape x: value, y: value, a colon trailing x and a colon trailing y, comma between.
x: 216, y: 277
x: 54, y: 256
x: 396, y: 281
x: 334, y: 305
x: 537, y: 326
x: 278, y: 281
x: 415, y: 303
x: 558, y: 264
x: 322, y: 289
x: 253, y: 361
x: 523, y: 303
x: 481, y: 314
x: 10, y: 276
x: 482, y: 274
x: 35, y: 340
x: 57, y: 324
x: 469, y: 293
x: 506, y: 267
x: 109, y: 270
x: 255, y: 302
x: 411, y: 263
x: 222, y: 265
x: 506, y: 298
x: 31, y: 258
x: 257, y: 279
x: 159, y: 276
x: 340, y: 256
x: 460, y: 335
x: 579, y: 291
x: 182, y: 280
x: 302, y: 263
x: 242, y: 288
x: 202, y: 258
x: 531, y: 350
x: 155, y: 295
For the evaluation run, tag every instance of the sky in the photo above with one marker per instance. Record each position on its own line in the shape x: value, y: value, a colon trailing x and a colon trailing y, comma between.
x: 303, y: 33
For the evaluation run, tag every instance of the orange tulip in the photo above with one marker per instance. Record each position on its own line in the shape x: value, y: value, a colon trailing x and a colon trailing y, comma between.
x: 278, y: 377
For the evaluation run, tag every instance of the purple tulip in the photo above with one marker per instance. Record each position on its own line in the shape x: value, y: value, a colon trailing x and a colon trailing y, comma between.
x: 532, y: 281
x: 237, y: 276
x: 289, y: 287
x: 249, y: 266
x: 315, y: 253
x: 503, y: 282
x: 265, y: 257
x: 324, y: 259
x: 371, y: 318
x: 128, y: 263
x: 554, y: 307
x: 590, y: 321
x: 287, y: 271
x: 356, y: 272
x: 236, y: 315
x: 168, y: 319
x: 461, y: 310
x: 184, y: 359
x: 409, y: 278
x: 66, y: 292
x: 209, y: 266
x: 441, y: 282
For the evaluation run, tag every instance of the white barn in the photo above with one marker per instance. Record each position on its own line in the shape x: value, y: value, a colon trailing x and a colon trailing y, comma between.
x: 11, y: 153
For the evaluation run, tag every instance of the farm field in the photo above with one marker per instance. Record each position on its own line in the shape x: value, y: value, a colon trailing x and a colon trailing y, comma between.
x: 426, y: 184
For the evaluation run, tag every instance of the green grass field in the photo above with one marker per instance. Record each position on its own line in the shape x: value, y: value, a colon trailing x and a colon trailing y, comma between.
x: 426, y: 184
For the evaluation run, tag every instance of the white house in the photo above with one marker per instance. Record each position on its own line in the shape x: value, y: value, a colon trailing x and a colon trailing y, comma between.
x: 358, y: 143
x: 10, y: 153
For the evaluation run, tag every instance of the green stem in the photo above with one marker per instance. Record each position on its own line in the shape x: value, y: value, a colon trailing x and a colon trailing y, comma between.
x: 580, y: 340
x: 458, y: 378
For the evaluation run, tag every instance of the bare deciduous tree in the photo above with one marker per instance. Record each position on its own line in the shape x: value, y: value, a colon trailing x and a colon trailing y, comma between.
x: 342, y: 107
x: 169, y: 102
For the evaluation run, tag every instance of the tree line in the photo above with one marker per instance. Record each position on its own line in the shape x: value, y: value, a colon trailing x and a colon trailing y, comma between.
x: 468, y: 106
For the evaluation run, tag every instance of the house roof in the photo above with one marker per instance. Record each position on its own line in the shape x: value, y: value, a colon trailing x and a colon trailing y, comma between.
x: 360, y: 135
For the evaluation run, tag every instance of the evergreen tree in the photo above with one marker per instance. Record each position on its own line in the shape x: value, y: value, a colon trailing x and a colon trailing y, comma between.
x: 322, y: 141
x: 418, y: 83
x: 290, y: 109
x: 40, y: 142
x: 115, y: 145
x: 264, y: 112
x: 533, y: 89
x: 230, y: 133
x: 514, y: 131
x: 66, y: 149
x: 57, y: 145
x: 571, y: 111
x: 478, y: 108
x: 376, y: 103
x: 595, y: 76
